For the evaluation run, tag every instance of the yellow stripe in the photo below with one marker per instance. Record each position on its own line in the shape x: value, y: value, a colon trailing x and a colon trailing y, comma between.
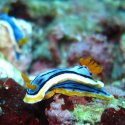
x: 61, y: 78
x: 32, y: 100
x: 6, y: 10
x: 73, y: 93
x: 23, y: 41
x: 65, y: 92
x: 73, y: 77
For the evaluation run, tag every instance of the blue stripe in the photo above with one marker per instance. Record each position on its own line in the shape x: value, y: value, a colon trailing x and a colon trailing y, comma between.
x: 41, y: 81
x: 71, y: 85
x: 17, y: 32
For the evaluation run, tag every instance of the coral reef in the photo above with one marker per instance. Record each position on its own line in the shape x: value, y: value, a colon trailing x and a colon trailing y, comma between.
x: 61, y: 32
x: 90, y: 114
x: 57, y: 110
x: 111, y: 116
x: 14, y: 110
x: 83, y: 110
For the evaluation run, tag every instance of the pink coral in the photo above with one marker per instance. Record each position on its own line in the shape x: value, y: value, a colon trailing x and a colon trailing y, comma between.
x: 55, y: 114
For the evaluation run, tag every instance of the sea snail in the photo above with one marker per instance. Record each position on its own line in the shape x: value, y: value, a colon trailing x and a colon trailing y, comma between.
x: 71, y: 81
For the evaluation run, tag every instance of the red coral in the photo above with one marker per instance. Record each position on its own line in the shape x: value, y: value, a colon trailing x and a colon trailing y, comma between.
x: 80, y: 100
x: 113, y: 117
x: 14, y: 110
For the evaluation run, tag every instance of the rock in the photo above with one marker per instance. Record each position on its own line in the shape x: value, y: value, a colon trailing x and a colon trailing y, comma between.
x: 14, y: 110
x: 113, y: 117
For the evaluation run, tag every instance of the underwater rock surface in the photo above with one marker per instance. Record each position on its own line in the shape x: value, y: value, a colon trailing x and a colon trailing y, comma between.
x: 13, y: 109
x: 113, y: 117
x: 58, y: 110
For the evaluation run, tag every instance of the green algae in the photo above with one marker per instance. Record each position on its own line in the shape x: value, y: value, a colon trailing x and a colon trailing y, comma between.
x: 1, y: 56
x: 92, y: 111
x: 116, y: 103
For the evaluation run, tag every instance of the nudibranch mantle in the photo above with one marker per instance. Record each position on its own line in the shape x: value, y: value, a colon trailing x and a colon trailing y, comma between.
x: 69, y: 81
x: 16, y: 29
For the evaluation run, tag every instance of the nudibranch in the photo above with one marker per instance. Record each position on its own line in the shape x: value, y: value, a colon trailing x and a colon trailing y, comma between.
x: 71, y: 81
x: 18, y: 33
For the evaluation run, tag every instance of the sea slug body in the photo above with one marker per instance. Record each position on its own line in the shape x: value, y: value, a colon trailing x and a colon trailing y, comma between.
x: 72, y: 81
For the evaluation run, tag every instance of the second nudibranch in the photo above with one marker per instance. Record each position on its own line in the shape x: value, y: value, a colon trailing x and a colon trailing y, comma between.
x: 68, y: 81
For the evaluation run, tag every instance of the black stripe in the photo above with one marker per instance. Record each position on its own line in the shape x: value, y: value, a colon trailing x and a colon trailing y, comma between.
x: 52, y: 76
x: 74, y: 85
x: 43, y: 74
x: 48, y: 72
x: 63, y: 72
